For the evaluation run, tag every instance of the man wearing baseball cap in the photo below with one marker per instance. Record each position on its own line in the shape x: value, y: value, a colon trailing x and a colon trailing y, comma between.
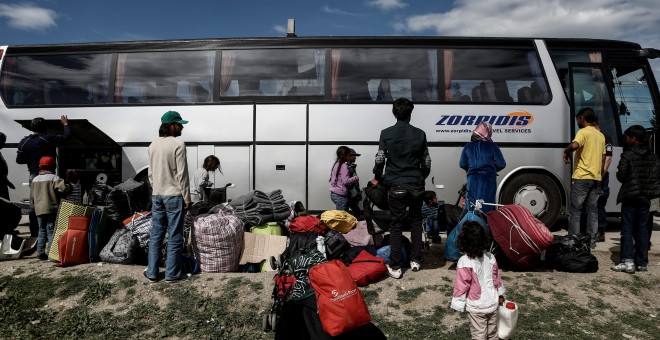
x: 168, y: 174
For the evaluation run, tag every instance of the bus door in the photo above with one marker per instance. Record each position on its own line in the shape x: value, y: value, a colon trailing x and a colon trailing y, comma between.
x: 589, y: 87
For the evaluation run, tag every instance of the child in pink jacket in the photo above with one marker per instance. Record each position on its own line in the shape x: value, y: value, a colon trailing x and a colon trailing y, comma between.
x: 340, y: 179
x: 478, y: 288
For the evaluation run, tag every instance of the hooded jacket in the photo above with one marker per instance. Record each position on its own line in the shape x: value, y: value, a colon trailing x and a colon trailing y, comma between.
x: 639, y: 174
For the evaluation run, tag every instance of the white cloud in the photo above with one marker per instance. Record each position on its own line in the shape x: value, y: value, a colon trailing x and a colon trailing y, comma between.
x: 331, y: 10
x: 28, y: 17
x: 637, y: 21
x: 281, y: 29
x: 387, y: 4
x: 608, y: 19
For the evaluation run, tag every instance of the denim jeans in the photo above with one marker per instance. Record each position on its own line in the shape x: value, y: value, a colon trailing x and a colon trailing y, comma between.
x: 584, y: 193
x: 432, y: 227
x: 46, y: 230
x: 341, y: 202
x: 167, y: 216
x: 634, y: 231
x: 400, y: 197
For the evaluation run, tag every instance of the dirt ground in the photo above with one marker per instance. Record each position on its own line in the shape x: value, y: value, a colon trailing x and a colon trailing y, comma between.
x: 419, y: 294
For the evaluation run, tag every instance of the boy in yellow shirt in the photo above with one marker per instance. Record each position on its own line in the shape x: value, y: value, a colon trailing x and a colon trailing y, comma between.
x: 589, y: 147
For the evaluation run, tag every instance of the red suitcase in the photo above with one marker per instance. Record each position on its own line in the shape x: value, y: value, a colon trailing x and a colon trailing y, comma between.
x: 73, y: 244
x: 521, y: 236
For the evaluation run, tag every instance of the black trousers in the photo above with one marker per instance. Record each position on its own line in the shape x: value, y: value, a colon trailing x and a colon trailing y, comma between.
x: 404, y: 197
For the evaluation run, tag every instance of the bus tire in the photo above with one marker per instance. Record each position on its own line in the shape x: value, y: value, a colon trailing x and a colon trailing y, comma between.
x: 536, y: 192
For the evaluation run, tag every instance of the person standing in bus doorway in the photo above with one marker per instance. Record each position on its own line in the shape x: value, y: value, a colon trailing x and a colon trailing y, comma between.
x: 5, y: 184
x: 639, y: 174
x: 589, y: 145
x: 201, y: 180
x: 168, y: 175
x: 482, y: 160
x: 340, y: 179
x: 404, y: 149
x: 39, y: 144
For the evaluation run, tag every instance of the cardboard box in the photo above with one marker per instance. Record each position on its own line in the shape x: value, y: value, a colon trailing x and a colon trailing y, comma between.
x: 260, y: 247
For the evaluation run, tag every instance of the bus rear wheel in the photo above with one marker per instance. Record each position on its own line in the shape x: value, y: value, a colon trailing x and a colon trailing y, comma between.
x: 536, y: 192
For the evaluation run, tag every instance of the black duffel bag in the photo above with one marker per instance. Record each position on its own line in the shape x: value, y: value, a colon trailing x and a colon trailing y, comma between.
x: 571, y: 254
x: 378, y: 195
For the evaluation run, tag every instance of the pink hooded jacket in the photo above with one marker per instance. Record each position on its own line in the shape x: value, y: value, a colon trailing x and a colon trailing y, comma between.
x: 339, y: 184
x: 478, y: 285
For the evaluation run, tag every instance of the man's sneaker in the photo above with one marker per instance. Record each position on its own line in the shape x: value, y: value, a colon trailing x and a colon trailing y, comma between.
x: 600, y: 237
x: 626, y: 267
x: 42, y: 257
x: 642, y: 269
x: 414, y: 265
x: 394, y: 273
x: 180, y: 278
x: 148, y: 278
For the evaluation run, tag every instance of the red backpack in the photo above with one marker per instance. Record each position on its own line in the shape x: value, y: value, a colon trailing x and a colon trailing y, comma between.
x: 367, y: 268
x: 302, y: 224
x: 340, y: 302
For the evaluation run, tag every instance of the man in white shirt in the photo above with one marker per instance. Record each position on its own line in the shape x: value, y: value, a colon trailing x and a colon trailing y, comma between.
x: 168, y: 174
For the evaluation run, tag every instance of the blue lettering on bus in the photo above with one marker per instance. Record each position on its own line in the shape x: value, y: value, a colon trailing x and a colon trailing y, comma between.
x: 516, y: 119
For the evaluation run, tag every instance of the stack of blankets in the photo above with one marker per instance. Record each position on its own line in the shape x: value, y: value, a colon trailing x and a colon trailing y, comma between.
x: 256, y: 207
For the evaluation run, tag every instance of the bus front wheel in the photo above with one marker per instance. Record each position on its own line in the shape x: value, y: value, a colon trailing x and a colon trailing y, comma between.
x: 536, y: 192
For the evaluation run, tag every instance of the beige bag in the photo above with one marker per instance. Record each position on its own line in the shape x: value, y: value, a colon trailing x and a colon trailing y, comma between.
x: 339, y: 220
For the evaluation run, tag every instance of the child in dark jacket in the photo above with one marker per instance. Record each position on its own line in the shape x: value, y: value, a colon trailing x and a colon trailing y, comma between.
x: 430, y: 208
x: 45, y: 194
x: 639, y: 174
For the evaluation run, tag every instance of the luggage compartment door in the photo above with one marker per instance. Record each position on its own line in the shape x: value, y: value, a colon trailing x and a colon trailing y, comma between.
x: 281, y: 167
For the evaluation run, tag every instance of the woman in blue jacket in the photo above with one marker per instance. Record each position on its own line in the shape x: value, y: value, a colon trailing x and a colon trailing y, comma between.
x: 482, y: 159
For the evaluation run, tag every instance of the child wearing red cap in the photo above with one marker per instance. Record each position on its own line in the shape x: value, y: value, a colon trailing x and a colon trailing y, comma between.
x: 45, y: 194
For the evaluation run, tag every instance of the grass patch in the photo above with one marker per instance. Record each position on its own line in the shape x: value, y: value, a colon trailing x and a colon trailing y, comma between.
x: 96, y: 293
x: 409, y: 295
x: 125, y: 282
x: 371, y: 295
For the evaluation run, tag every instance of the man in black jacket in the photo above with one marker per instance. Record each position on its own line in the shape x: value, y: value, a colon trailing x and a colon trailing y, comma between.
x: 639, y: 174
x: 32, y: 147
x: 403, y: 148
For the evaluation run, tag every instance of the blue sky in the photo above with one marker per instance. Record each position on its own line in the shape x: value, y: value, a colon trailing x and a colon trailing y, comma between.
x: 72, y: 21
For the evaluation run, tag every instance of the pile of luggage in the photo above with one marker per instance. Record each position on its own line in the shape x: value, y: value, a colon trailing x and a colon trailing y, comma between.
x: 525, y: 241
x: 318, y: 277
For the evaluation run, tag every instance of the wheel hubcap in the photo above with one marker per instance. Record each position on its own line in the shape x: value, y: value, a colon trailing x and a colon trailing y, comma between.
x: 533, y: 198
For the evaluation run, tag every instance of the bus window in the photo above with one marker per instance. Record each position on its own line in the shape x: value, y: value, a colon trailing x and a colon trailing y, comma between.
x: 163, y: 77
x: 272, y: 73
x: 633, y: 97
x: 589, y: 89
x: 494, y: 76
x: 359, y: 74
x: 55, y: 79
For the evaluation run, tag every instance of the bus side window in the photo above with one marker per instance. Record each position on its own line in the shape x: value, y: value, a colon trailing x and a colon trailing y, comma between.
x: 198, y: 93
x: 525, y: 94
x: 502, y: 92
x: 249, y: 87
x: 537, y: 92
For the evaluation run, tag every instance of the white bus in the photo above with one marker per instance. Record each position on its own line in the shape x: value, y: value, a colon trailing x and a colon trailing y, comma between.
x: 274, y: 110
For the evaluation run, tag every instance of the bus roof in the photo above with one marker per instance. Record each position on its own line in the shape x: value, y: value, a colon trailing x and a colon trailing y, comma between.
x: 279, y: 42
